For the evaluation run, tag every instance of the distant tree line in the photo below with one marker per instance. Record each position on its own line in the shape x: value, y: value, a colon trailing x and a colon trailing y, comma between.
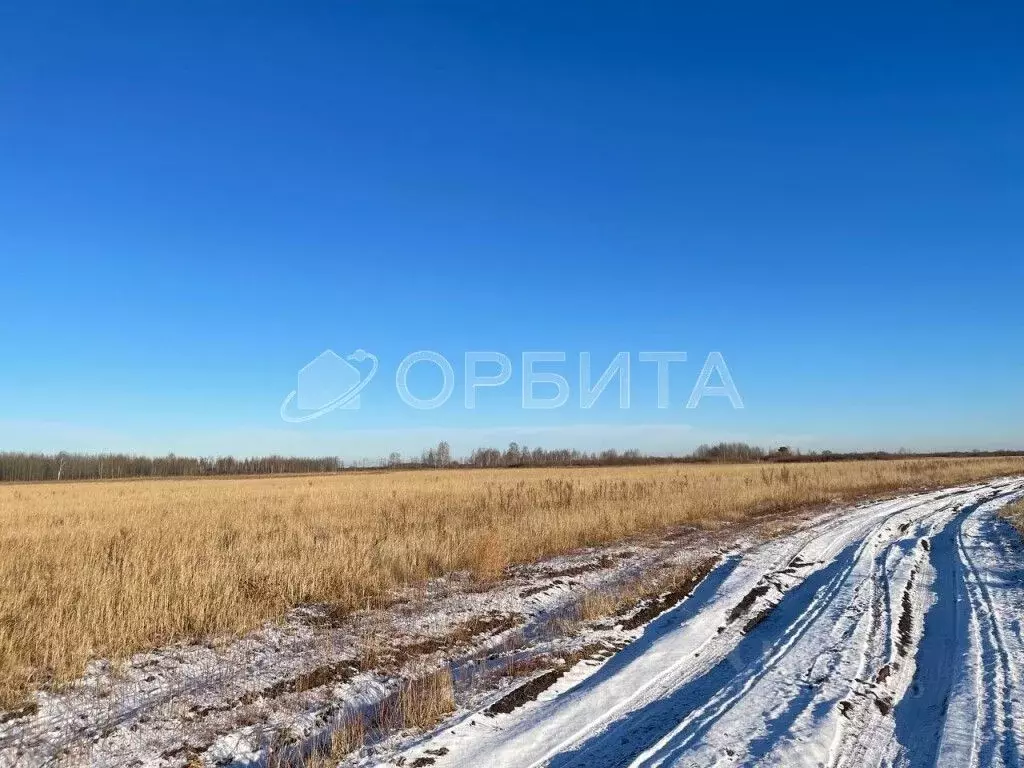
x: 731, y: 452
x: 523, y: 456
x: 516, y: 455
x: 80, y: 466
x: 16, y: 467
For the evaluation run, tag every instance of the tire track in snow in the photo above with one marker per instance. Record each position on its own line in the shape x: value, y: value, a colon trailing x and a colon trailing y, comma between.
x: 992, y: 670
x: 868, y: 738
x: 755, y: 653
x: 790, y: 632
x: 858, y: 619
x: 993, y: 741
x: 721, y: 647
x: 845, y: 616
x: 921, y: 715
x: 882, y: 674
x: 822, y: 627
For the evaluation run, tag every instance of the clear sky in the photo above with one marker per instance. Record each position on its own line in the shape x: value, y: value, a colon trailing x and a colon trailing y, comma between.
x: 197, y: 199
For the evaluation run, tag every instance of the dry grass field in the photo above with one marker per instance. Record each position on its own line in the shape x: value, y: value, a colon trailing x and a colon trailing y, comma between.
x: 103, y: 569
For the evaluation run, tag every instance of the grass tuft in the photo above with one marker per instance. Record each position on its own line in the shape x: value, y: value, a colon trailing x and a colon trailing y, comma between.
x: 1015, y: 514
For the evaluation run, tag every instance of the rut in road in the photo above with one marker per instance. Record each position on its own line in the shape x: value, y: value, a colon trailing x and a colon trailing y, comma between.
x: 887, y: 635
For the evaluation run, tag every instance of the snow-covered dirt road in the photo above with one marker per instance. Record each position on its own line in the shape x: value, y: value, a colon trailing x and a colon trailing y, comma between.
x: 889, y: 634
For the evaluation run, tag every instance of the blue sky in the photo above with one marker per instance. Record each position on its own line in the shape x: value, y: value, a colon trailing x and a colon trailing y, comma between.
x: 196, y: 199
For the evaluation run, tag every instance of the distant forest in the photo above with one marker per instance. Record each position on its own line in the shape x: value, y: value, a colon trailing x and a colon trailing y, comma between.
x: 80, y: 466
x: 27, y: 467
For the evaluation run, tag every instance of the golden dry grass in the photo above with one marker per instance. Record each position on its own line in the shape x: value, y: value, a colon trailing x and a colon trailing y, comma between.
x: 426, y: 700
x: 1015, y: 514
x: 105, y: 569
